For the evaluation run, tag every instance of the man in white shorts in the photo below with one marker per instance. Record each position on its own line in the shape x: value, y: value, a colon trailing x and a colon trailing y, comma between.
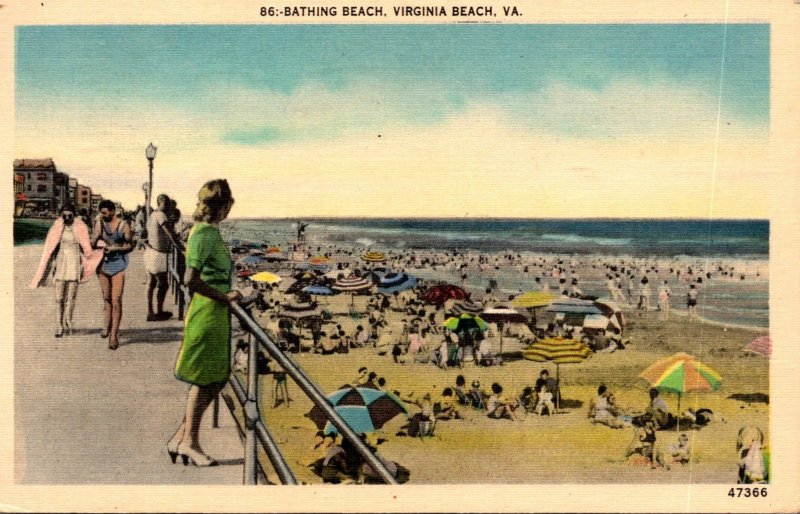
x: 155, y: 259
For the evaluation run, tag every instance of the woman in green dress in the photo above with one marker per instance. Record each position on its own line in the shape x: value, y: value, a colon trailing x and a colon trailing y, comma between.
x: 204, y: 358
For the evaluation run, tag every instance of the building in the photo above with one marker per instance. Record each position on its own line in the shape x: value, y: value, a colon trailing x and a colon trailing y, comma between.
x: 73, y: 190
x: 60, y: 190
x: 20, y: 198
x: 39, y: 182
x: 96, y: 199
x: 83, y: 198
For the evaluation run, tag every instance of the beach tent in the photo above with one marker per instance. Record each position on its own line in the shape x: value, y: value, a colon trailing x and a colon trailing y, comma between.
x: 680, y: 374
x: 558, y: 351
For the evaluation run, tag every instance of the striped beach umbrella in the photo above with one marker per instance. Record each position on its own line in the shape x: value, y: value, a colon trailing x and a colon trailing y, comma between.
x: 680, y: 374
x: 318, y: 259
x: 265, y: 276
x: 299, y: 311
x: 273, y: 249
x: 373, y: 256
x: 558, y: 351
x: 761, y: 345
x: 250, y: 259
x: 352, y: 285
x: 439, y: 294
x: 465, y: 306
x: 364, y: 409
x: 396, y: 282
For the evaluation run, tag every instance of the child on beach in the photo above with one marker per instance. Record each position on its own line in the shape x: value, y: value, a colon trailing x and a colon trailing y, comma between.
x: 680, y: 451
x: 498, y: 406
x: 544, y: 400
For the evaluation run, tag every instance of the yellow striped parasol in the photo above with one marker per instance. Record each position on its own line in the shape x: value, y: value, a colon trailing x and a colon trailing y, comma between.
x: 559, y: 351
x: 265, y: 276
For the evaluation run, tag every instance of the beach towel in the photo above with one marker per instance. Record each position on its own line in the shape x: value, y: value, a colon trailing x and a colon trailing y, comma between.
x: 90, y: 258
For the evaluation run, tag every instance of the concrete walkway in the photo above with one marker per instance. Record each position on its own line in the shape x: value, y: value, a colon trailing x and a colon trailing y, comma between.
x: 87, y: 415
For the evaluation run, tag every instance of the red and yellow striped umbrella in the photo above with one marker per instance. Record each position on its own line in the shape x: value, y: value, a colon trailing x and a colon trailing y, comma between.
x: 373, y: 256
x: 682, y: 373
x: 319, y: 259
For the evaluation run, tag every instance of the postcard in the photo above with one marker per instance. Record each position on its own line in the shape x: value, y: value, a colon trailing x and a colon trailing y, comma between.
x: 386, y: 256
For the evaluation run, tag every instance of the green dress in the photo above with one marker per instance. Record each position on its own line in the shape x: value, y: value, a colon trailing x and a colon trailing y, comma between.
x: 205, y: 354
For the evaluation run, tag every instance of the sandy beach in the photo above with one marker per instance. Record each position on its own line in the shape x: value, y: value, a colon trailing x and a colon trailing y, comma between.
x: 564, y: 447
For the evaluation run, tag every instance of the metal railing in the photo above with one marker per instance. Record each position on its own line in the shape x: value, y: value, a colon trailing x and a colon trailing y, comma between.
x: 255, y: 429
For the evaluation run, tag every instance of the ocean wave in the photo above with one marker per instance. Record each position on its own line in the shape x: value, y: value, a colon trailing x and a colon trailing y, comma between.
x: 574, y: 238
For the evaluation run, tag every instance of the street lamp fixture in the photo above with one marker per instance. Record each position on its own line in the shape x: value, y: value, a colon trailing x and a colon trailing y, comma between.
x: 150, y: 153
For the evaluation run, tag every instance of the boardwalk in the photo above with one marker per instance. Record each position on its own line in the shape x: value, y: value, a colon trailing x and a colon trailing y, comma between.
x: 88, y: 415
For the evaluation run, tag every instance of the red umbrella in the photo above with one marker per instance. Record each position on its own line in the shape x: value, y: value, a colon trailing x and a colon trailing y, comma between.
x: 761, y: 345
x: 437, y: 295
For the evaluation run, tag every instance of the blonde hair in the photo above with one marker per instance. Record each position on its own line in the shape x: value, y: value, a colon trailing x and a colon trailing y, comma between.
x: 214, y: 197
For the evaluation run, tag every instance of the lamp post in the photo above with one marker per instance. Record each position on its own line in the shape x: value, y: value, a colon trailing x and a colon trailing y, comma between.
x: 150, y: 153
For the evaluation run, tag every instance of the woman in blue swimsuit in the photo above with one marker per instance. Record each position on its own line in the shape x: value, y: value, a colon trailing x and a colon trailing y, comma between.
x: 116, y: 234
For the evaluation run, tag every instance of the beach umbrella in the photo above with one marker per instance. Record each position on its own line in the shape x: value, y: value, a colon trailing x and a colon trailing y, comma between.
x: 465, y: 322
x: 501, y: 315
x: 250, y: 259
x: 439, y: 294
x: 265, y: 276
x: 352, y: 285
x: 761, y: 345
x: 465, y: 306
x: 373, y: 256
x: 273, y: 249
x: 574, y: 306
x: 611, y: 310
x: 558, y: 351
x: 316, y: 290
x: 245, y: 273
x: 334, y: 274
x: 396, y: 282
x: 533, y: 300
x: 318, y: 259
x: 682, y: 373
x: 300, y: 311
x: 364, y: 409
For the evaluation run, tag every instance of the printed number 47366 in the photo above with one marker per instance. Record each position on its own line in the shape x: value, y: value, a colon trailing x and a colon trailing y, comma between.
x: 747, y: 492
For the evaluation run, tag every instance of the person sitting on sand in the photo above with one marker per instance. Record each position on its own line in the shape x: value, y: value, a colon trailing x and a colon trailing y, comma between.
x: 460, y: 392
x: 527, y: 399
x: 500, y: 407
x: 699, y: 417
x: 544, y: 400
x: 427, y: 415
x: 477, y: 396
x: 447, y: 406
x: 680, y: 451
x: 599, y: 409
x: 647, y: 446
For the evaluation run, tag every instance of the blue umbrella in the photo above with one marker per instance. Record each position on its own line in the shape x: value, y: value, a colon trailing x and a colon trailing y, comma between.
x: 251, y: 259
x: 364, y: 409
x: 396, y: 282
x: 317, y: 290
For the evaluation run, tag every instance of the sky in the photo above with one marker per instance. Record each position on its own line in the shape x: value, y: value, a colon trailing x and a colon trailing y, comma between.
x: 413, y: 120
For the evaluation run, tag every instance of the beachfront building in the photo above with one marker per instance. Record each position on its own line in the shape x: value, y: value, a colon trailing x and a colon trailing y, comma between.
x: 20, y: 198
x: 83, y: 198
x: 40, y: 176
x: 60, y: 190
x: 72, y: 189
x: 96, y: 199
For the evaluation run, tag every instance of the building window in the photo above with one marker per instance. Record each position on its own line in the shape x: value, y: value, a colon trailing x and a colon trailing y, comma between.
x: 42, y: 188
x: 42, y: 176
x: 29, y: 187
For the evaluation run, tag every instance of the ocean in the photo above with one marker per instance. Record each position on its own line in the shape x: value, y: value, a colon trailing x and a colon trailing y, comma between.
x: 741, y: 244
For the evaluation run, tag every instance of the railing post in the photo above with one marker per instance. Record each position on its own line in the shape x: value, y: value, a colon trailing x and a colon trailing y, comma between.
x: 251, y: 417
x: 216, y: 411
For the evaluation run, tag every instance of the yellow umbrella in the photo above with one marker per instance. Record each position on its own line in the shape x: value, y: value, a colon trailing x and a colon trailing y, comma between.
x: 265, y: 276
x: 532, y: 300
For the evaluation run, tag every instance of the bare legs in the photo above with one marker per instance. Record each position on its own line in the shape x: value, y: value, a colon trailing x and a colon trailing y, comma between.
x: 160, y: 285
x: 186, y: 440
x: 112, y: 287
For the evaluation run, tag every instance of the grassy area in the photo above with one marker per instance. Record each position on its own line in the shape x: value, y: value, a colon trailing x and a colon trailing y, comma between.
x: 30, y: 231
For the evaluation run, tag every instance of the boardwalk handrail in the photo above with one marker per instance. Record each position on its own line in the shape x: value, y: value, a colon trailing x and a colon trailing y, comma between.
x: 255, y: 428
